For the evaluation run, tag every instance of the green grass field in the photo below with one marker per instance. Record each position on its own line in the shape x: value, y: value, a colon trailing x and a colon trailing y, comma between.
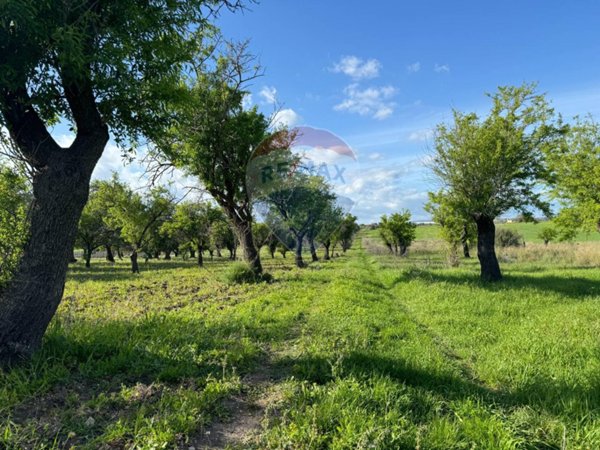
x: 366, y: 351
x: 529, y: 231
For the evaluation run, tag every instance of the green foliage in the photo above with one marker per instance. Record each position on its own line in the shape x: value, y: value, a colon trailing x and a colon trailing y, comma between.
x: 548, y: 234
x: 192, y: 223
x: 489, y: 166
x: 262, y: 234
x: 457, y: 228
x: 397, y: 232
x: 133, y: 54
x: 345, y: 232
x: 14, y: 204
x: 242, y: 273
x: 574, y: 172
x: 508, y: 238
x: 133, y: 214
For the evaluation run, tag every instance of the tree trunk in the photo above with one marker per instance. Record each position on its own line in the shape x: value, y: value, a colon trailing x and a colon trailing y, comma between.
x: 88, y: 257
x: 486, y: 252
x: 465, y: 242
x: 120, y: 253
x: 313, y: 250
x: 109, y: 254
x: 211, y: 253
x: 135, y: 268
x: 219, y: 253
x: 326, y: 257
x: 73, y: 259
x: 243, y: 232
x: 60, y: 191
x: 168, y: 255
x: 192, y: 253
x: 298, y: 254
x: 200, y: 258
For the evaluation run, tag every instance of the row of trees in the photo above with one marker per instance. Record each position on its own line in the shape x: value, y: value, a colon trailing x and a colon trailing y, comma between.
x: 521, y: 157
x: 117, y: 218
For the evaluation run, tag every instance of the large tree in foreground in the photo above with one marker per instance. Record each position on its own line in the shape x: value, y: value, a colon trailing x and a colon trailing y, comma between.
x: 101, y: 66
x: 489, y: 166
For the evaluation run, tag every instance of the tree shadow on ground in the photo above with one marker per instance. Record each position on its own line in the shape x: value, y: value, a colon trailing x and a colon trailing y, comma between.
x: 575, y: 288
x: 540, y: 393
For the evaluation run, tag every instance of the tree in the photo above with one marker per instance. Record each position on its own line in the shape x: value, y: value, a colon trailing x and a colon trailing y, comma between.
x: 98, y: 66
x: 548, y: 234
x: 262, y: 235
x: 93, y: 232
x: 223, y: 237
x: 457, y: 229
x: 192, y: 222
x: 300, y: 201
x: 344, y: 235
x: 574, y: 173
x: 14, y: 205
x: 489, y: 166
x: 215, y: 139
x: 137, y: 215
x: 397, y: 232
x: 331, y: 220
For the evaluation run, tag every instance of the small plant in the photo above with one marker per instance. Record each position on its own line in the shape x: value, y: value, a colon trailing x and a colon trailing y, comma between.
x: 509, y: 238
x: 241, y: 273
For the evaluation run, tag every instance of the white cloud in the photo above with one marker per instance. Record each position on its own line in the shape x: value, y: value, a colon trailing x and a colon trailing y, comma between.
x: 287, y: 118
x: 414, y: 67
x: 247, y: 102
x: 375, y: 156
x: 441, y: 68
x: 374, y: 102
x: 269, y: 94
x: 357, y: 68
x: 420, y: 135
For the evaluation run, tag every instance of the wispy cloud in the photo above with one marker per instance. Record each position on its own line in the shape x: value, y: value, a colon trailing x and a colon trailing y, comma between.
x: 441, y: 68
x: 414, y: 67
x: 357, y: 68
x: 268, y: 94
x: 420, y: 135
x: 374, y: 101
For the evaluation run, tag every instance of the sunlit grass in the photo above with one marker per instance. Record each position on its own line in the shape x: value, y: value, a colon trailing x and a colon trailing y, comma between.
x: 370, y: 351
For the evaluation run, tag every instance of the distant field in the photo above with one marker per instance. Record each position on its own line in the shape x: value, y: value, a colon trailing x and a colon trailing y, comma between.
x: 529, y: 231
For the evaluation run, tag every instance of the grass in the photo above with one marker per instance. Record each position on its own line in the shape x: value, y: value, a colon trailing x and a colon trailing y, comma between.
x: 368, y: 351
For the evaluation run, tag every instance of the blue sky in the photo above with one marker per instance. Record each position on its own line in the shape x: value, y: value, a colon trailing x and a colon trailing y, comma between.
x: 382, y: 74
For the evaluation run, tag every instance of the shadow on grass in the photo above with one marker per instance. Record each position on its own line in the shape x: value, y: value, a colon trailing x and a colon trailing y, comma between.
x: 567, y: 286
x: 539, y: 393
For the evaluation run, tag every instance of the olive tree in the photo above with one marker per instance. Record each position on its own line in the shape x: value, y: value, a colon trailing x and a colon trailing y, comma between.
x: 489, y: 166
x: 100, y: 67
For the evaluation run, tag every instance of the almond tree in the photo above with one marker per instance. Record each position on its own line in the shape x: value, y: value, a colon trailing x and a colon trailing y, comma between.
x: 100, y: 67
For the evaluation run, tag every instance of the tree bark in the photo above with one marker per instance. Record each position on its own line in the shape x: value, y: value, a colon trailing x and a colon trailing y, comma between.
x: 109, y: 254
x: 486, y: 252
x: 326, y: 257
x: 88, y: 256
x: 60, y: 191
x: 298, y: 253
x: 313, y: 250
x: 200, y: 258
x: 168, y: 255
x: 465, y: 242
x: 135, y: 268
